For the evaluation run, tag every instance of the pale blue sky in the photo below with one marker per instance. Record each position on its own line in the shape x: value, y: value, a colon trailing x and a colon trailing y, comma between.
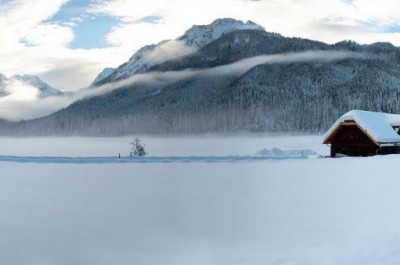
x: 90, y: 30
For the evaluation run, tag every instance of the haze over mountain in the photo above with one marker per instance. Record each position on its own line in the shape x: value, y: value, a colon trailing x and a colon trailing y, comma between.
x: 231, y: 76
x: 27, y: 86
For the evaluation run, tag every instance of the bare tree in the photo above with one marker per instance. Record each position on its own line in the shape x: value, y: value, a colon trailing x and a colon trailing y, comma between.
x: 138, y: 148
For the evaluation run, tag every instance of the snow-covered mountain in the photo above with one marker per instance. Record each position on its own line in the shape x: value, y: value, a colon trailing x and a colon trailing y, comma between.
x: 231, y: 90
x: 137, y: 63
x: 103, y: 74
x: 9, y: 85
x: 201, y: 35
x: 193, y: 39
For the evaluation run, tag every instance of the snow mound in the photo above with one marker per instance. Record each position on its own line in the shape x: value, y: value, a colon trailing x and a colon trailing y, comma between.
x: 290, y: 153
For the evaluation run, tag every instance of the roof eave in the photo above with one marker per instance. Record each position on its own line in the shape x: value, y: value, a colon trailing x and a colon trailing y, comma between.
x: 328, y: 139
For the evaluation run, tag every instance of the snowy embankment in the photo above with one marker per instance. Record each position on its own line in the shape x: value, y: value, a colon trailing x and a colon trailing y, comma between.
x: 152, y: 159
x: 165, y: 150
x: 264, y: 154
x: 272, y: 211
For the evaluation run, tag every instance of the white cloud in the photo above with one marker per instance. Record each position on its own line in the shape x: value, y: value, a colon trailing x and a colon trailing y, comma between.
x: 17, y: 109
x: 61, y: 67
x: 384, y: 13
x: 18, y: 91
x: 39, y: 35
x: 176, y: 16
x: 329, y: 21
x: 170, y: 49
x: 32, y: 45
x: 364, y: 21
x: 25, y: 20
x: 133, y: 10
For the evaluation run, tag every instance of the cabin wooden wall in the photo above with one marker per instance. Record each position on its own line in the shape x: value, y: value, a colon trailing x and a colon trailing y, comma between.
x: 389, y: 150
x: 352, y: 141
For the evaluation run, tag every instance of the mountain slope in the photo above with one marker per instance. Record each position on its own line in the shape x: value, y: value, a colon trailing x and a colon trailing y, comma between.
x: 279, y: 97
x: 239, y: 45
x: 102, y: 75
x: 193, y: 39
x: 291, y: 88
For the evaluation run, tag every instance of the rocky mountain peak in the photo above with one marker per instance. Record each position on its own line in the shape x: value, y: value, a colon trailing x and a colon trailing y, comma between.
x: 201, y: 35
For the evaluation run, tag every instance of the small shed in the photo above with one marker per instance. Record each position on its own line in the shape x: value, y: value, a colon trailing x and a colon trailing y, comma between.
x: 364, y: 133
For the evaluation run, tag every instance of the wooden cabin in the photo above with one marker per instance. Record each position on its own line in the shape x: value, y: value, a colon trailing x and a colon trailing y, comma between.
x: 364, y: 133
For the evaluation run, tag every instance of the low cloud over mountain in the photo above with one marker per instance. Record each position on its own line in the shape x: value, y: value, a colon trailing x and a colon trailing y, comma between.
x: 244, y: 79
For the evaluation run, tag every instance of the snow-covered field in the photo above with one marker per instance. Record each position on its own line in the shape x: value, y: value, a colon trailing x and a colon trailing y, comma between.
x: 193, y: 209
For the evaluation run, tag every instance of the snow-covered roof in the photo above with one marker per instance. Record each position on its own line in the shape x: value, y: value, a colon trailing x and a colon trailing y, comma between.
x: 377, y: 125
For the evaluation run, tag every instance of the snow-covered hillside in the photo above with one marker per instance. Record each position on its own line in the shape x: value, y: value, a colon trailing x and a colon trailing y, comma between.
x: 290, y: 211
x: 137, y: 63
x: 245, y: 80
x: 103, y: 74
x: 194, y: 38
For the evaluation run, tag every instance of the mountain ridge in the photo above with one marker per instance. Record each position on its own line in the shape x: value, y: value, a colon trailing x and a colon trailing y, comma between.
x: 194, y: 38
x: 195, y: 93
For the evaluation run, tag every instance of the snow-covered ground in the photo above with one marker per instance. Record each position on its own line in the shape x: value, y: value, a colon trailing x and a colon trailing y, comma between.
x: 268, y: 211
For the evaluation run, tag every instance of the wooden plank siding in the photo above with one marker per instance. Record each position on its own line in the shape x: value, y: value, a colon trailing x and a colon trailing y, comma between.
x: 350, y: 140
